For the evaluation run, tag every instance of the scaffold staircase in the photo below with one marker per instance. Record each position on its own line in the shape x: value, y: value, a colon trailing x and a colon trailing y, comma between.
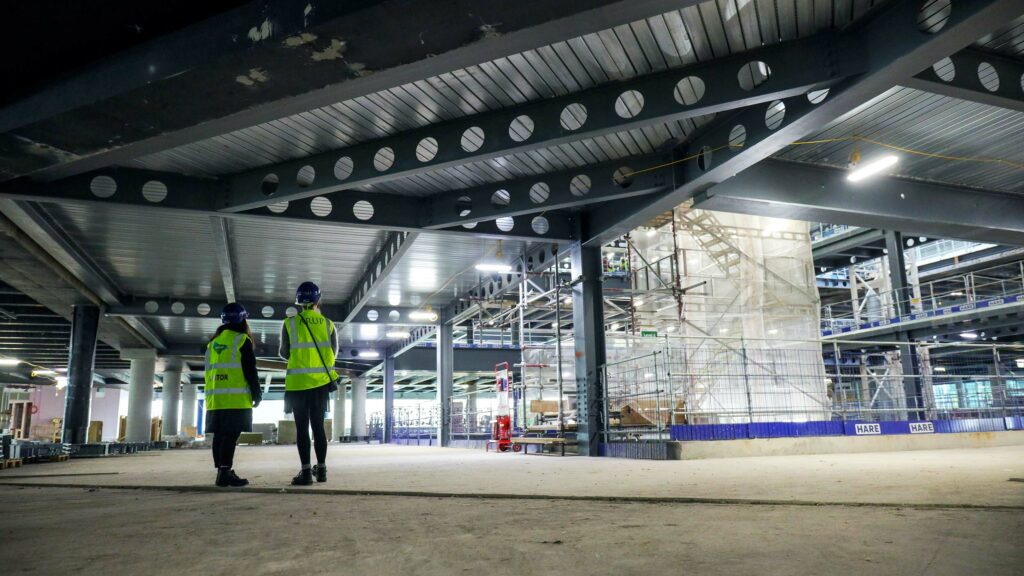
x: 713, y: 238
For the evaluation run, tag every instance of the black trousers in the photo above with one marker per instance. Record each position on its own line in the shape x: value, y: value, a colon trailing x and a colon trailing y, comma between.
x: 309, y: 407
x: 224, y: 448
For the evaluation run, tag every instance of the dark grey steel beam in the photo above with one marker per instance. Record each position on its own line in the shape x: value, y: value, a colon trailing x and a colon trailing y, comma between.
x: 796, y: 67
x: 962, y: 75
x: 396, y: 244
x: 802, y: 192
x: 416, y: 336
x: 589, y: 344
x: 351, y: 209
x: 424, y: 359
x: 893, y: 48
x: 162, y: 307
x: 309, y: 55
x: 222, y: 241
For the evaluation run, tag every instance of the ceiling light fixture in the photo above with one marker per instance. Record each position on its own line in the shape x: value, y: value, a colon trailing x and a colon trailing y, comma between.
x: 397, y: 335
x: 494, y: 267
x: 427, y: 315
x: 969, y: 335
x: 43, y: 373
x: 369, y: 354
x: 871, y: 168
x: 940, y: 368
x: 9, y: 361
x: 652, y: 232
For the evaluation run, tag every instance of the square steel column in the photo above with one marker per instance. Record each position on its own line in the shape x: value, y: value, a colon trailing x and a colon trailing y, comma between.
x: 85, y: 322
x: 588, y: 333
x: 445, y: 375
x: 389, y: 397
x: 894, y: 246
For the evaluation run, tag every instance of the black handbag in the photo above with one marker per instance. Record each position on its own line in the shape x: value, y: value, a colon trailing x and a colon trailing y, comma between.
x: 332, y: 383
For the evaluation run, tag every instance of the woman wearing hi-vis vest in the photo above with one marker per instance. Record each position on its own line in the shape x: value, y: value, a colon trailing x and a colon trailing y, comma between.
x: 232, y: 389
x: 310, y: 344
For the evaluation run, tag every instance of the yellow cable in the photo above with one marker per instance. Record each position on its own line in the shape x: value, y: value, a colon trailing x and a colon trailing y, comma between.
x: 1010, y: 163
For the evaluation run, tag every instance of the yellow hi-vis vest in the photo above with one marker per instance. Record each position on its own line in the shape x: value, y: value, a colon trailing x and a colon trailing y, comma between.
x: 226, y: 387
x: 305, y: 370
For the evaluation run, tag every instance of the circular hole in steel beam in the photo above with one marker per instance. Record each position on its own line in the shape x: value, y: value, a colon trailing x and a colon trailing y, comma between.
x: 394, y: 316
x: 321, y: 206
x: 291, y: 311
x: 267, y: 311
x: 305, y: 176
x: 203, y: 309
x: 579, y: 186
x: 521, y: 128
x: 689, y: 90
x: 505, y: 223
x: 472, y: 139
x: 540, y: 225
x: 372, y: 315
x: 103, y: 186
x: 817, y: 96
x: 573, y: 116
x: 753, y: 74
x: 933, y: 15
x: 177, y: 307
x: 154, y: 191
x: 539, y: 193
x: 629, y: 104
x: 623, y: 177
x: 775, y: 114
x: 426, y: 149
x: 704, y: 158
x: 269, y: 184
x: 501, y: 198
x: 343, y: 168
x: 737, y: 136
x: 151, y: 306
x: 988, y: 76
x: 278, y: 207
x: 464, y: 206
x: 469, y: 225
x: 945, y: 70
x: 362, y: 210
x: 383, y: 159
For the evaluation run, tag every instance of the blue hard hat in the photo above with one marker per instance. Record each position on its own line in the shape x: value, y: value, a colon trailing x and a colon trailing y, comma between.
x: 233, y: 313
x: 307, y: 293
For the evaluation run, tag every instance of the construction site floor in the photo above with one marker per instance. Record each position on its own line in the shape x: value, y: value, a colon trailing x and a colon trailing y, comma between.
x: 427, y: 510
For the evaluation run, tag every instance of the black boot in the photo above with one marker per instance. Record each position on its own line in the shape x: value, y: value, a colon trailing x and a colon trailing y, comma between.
x: 303, y: 478
x: 320, y: 470
x: 235, y: 481
x: 223, y: 477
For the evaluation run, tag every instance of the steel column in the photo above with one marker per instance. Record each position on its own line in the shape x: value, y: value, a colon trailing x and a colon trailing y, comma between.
x: 189, y: 407
x: 171, y: 395
x: 389, y: 397
x: 445, y: 375
x: 589, y: 337
x: 140, y: 394
x: 85, y: 324
x: 340, y: 415
x: 894, y: 246
x: 359, y: 429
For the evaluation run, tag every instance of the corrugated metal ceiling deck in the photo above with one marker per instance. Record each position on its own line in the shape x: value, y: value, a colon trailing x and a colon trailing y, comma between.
x: 145, y: 252
x: 935, y: 124
x: 698, y: 33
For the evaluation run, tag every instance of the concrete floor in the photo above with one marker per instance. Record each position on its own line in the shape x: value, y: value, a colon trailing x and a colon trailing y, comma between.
x: 937, y: 512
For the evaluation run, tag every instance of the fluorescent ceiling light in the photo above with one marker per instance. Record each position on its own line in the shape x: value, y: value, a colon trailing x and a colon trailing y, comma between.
x: 9, y: 361
x: 397, y: 334
x: 773, y: 331
x: 494, y: 267
x: 62, y: 381
x: 43, y: 373
x: 969, y: 335
x: 1020, y: 362
x: 940, y: 368
x: 423, y: 315
x: 652, y: 232
x: 869, y: 169
x: 956, y: 293
x: 369, y: 354
x: 648, y: 375
x: 394, y: 297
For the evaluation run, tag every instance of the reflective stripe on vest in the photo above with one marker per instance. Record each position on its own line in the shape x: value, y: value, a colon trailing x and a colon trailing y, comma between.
x: 226, y: 387
x: 305, y: 370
